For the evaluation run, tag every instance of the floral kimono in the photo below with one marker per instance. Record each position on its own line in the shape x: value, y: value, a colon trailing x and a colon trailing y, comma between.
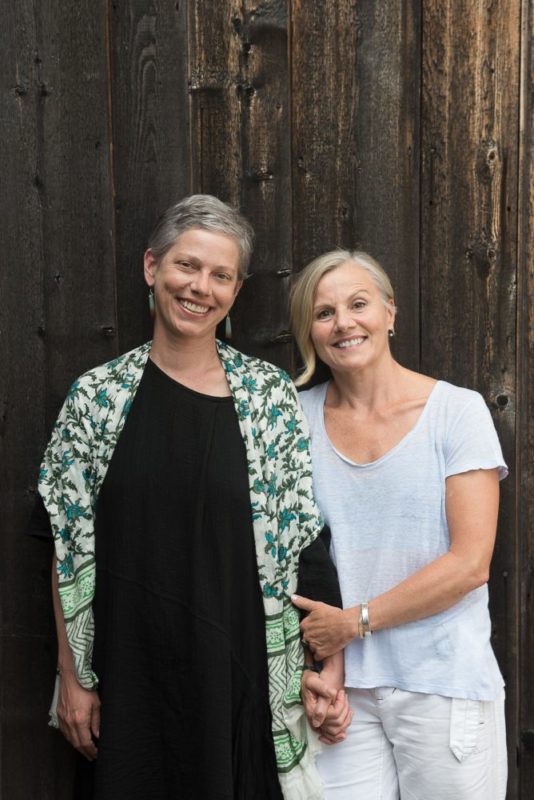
x: 285, y: 521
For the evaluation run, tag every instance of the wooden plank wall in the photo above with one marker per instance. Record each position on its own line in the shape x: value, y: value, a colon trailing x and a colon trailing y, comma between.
x: 469, y: 215
x: 402, y: 127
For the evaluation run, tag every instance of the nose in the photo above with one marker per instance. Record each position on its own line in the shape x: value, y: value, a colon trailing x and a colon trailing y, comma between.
x: 201, y: 282
x: 343, y: 319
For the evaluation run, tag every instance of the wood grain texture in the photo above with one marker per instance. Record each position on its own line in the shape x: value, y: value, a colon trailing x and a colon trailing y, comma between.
x: 75, y: 187
x: 56, y: 296
x: 26, y: 614
x: 403, y: 128
x: 260, y: 317
x: 525, y: 405
x: 355, y: 122
x: 215, y: 67
x: 470, y: 89
x: 149, y: 109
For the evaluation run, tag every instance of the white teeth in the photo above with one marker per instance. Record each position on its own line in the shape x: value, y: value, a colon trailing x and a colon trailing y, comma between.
x: 193, y: 307
x: 350, y: 342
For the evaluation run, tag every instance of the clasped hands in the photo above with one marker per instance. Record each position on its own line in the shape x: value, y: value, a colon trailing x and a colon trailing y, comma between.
x: 326, y: 631
x: 326, y: 705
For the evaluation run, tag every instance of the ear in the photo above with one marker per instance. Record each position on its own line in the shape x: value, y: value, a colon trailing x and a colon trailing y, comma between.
x: 391, y: 312
x: 238, y: 286
x: 150, y: 267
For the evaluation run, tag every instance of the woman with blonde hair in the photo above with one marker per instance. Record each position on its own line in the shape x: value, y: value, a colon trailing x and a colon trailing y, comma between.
x: 406, y: 472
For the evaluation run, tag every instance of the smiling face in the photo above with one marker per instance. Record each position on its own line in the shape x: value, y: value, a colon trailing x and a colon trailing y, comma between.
x: 350, y: 319
x: 195, y: 283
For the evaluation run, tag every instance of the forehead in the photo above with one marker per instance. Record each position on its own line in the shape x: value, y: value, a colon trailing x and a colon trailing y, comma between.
x: 213, y: 246
x: 347, y: 278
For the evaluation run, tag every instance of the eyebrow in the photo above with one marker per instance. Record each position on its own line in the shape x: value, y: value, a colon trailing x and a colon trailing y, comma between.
x: 352, y: 296
x: 197, y: 261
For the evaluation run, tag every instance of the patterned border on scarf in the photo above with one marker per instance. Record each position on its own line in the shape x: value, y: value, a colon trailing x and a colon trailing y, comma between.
x: 285, y: 520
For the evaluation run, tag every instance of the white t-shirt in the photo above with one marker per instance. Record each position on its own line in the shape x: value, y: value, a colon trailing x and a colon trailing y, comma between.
x: 388, y: 520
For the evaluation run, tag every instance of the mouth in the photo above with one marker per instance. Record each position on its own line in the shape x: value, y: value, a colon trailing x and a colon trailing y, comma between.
x: 356, y: 341
x: 193, y: 308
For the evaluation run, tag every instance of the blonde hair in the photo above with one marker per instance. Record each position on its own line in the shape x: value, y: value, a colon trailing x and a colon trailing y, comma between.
x: 303, y: 292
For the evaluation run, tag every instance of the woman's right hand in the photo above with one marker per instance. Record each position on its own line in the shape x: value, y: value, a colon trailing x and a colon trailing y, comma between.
x: 326, y: 705
x: 78, y: 713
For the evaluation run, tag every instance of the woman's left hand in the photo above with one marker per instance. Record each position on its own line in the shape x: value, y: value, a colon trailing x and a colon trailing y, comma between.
x: 326, y: 629
x: 326, y: 706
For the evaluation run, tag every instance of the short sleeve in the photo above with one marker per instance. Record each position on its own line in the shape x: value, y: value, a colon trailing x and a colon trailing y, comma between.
x: 472, y: 442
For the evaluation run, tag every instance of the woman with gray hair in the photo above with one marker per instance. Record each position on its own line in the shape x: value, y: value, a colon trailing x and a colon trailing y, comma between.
x: 406, y: 472
x: 177, y: 483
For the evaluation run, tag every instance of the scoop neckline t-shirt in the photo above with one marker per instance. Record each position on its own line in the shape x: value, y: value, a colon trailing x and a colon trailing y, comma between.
x: 388, y: 520
x: 393, y: 450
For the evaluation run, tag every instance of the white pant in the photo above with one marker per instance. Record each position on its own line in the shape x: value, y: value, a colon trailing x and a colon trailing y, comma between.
x: 417, y: 747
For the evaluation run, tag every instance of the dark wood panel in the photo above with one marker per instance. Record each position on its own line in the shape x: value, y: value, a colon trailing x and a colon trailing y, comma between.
x: 151, y: 140
x: 307, y: 115
x: 260, y: 318
x: 27, y: 615
x: 525, y: 416
x: 57, y: 297
x: 355, y: 122
x: 37, y: 761
x: 75, y: 191
x: 468, y: 273
x: 215, y: 66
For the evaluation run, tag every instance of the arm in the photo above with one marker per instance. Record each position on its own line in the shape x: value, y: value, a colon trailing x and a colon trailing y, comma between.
x: 78, y: 709
x: 472, y: 500
x: 324, y: 700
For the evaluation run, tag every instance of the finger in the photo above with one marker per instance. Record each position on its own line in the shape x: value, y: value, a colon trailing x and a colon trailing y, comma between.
x: 330, y: 740
x: 69, y: 729
x: 86, y: 747
x: 95, y: 720
x: 303, y: 602
x: 89, y: 751
x: 341, y: 706
x: 339, y: 715
x: 320, y: 688
x: 319, y: 712
x: 323, y: 651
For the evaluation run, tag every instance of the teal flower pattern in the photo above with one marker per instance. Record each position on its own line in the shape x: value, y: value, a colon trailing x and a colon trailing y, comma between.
x: 285, y: 519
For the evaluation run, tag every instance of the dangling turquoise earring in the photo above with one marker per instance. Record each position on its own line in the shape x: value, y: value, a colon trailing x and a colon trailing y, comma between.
x: 228, y: 328
x: 151, y: 302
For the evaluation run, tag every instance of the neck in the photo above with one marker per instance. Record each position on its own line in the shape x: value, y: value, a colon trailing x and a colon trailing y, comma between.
x: 184, y: 355
x: 369, y: 387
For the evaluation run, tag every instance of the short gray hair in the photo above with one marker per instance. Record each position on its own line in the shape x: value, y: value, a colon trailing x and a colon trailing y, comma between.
x: 207, y: 212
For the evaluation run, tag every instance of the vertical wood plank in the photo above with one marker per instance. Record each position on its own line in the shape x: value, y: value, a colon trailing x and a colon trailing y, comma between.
x: 355, y: 122
x: 260, y: 317
x: 525, y: 415
x: 151, y: 140
x: 22, y: 395
x: 55, y: 286
x: 215, y: 59
x: 468, y: 267
x: 74, y: 182
x: 240, y: 99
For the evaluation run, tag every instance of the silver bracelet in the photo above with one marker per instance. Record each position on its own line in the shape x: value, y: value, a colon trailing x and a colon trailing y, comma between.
x: 364, y: 626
